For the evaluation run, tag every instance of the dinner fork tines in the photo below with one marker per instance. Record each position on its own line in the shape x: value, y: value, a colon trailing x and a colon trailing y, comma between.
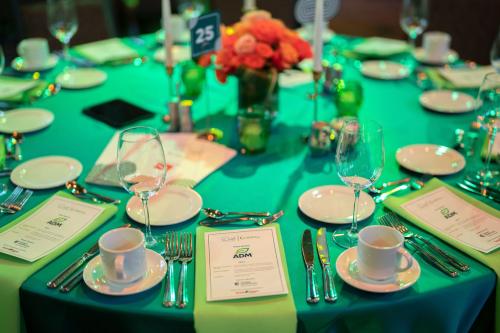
x: 172, y: 250
x: 18, y: 204
x: 186, y: 255
x: 10, y: 199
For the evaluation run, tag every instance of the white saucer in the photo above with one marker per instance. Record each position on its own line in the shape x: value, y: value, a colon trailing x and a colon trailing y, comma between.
x: 46, y: 172
x: 447, y: 101
x: 179, y: 53
x: 21, y: 66
x: 348, y: 271
x: 430, y: 159
x: 333, y: 204
x: 171, y: 205
x: 81, y: 78
x: 94, y: 277
x: 25, y: 120
x: 380, y: 47
x: 384, y: 70
x: 419, y: 54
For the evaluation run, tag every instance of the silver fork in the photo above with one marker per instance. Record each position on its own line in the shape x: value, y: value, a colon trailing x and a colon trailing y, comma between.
x: 10, y: 199
x: 186, y: 255
x: 171, y: 255
x: 398, y: 224
x: 18, y: 204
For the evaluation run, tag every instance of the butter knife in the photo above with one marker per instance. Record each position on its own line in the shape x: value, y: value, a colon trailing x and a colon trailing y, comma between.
x: 431, y: 259
x: 68, y: 286
x: 312, y: 295
x: 324, y: 258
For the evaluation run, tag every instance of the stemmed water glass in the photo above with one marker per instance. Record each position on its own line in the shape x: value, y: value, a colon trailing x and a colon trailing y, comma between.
x: 142, y: 170
x: 360, y: 160
x: 62, y: 21
x: 495, y: 53
x: 488, y: 115
x: 413, y: 18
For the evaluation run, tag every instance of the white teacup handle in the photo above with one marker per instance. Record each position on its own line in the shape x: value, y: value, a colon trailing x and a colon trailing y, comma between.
x: 409, y: 260
x: 119, y: 267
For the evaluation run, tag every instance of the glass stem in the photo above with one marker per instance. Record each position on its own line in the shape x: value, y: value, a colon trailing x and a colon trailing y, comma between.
x: 412, y: 40
x: 66, y: 51
x: 491, y: 141
x: 148, y: 234
x: 354, y: 225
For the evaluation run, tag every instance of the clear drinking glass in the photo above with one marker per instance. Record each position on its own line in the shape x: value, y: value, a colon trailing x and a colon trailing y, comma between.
x: 495, y: 53
x: 2, y: 60
x: 488, y: 115
x: 413, y: 18
x: 142, y: 170
x: 360, y: 159
x: 62, y: 21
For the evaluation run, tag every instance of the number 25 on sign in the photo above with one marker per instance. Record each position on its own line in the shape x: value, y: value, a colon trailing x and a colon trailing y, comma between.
x: 205, y: 34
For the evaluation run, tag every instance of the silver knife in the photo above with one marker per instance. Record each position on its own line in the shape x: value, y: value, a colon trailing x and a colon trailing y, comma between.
x: 312, y: 295
x: 431, y: 259
x: 75, y: 279
x: 324, y: 258
x: 484, y: 193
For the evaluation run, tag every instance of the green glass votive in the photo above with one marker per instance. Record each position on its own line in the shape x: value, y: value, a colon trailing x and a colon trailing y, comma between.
x: 254, y: 129
x: 193, y: 78
x: 348, y: 98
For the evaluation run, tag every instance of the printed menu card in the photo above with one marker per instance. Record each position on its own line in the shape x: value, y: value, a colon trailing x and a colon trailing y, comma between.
x: 57, y: 221
x: 443, y: 210
x: 243, y: 263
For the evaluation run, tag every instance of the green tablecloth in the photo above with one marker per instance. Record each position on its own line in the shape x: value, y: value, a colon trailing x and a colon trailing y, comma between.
x: 270, y: 181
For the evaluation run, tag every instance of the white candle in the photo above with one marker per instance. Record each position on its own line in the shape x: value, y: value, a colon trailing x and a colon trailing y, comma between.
x: 167, y: 28
x: 318, y: 36
x: 249, y: 5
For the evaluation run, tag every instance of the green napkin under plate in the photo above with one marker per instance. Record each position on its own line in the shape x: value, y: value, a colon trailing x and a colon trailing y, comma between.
x: 14, y: 271
x: 269, y: 314
x: 491, y: 260
x: 106, y: 51
x: 17, y: 90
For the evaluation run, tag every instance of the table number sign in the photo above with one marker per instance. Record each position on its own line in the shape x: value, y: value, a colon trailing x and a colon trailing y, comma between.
x: 448, y: 213
x: 205, y: 34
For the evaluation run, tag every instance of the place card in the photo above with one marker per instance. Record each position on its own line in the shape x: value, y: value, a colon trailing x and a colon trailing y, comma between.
x: 243, y: 263
x: 446, y: 212
x: 12, y: 86
x: 54, y: 223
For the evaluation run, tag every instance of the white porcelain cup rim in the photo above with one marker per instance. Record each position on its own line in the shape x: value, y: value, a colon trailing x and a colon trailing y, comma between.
x: 120, y: 230
x: 368, y: 228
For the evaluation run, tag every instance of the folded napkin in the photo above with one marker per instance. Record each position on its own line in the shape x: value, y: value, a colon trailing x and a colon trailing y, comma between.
x: 13, y: 271
x: 380, y: 47
x: 189, y: 160
x: 466, y: 77
x: 263, y: 314
x: 491, y: 260
x: 106, y: 50
x: 13, y: 88
x: 292, y: 78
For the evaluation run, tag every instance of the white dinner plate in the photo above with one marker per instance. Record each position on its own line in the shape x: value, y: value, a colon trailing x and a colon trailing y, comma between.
x: 380, y: 47
x: 25, y: 120
x: 171, y: 205
x: 419, y: 54
x: 22, y: 66
x: 347, y: 270
x: 447, y: 101
x: 333, y: 204
x: 384, y: 70
x: 430, y: 159
x: 46, y: 172
x: 81, y: 78
x: 94, y: 278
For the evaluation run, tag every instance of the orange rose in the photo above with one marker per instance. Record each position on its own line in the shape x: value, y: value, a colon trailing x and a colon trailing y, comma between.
x: 256, y: 15
x: 245, y: 44
x: 263, y: 50
x: 253, y: 61
x: 267, y: 31
x: 288, y: 53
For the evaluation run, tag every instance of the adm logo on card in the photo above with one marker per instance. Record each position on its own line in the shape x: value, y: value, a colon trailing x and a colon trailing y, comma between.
x: 242, y: 252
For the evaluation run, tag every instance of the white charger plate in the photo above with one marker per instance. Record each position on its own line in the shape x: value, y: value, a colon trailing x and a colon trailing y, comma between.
x: 20, y: 65
x: 430, y: 159
x: 81, y: 78
x: 334, y: 203
x: 419, y: 54
x: 25, y: 120
x: 384, y: 70
x: 46, y: 172
x: 348, y: 271
x: 94, y: 278
x: 171, y: 205
x: 447, y: 101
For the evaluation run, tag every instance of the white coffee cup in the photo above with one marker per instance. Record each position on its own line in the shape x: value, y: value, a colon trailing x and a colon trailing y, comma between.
x: 123, y: 255
x: 380, y: 253
x: 436, y: 45
x: 34, y: 51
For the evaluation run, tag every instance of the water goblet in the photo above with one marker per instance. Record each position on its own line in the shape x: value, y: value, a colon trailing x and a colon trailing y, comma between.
x: 63, y: 22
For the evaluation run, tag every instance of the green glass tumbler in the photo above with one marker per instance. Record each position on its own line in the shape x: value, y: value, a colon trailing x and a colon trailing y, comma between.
x: 193, y: 78
x: 348, y: 98
x: 254, y: 129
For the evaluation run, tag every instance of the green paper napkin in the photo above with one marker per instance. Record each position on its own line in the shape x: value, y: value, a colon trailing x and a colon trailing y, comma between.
x: 13, y: 271
x: 491, y: 260
x: 13, y: 89
x: 105, y: 51
x: 261, y: 314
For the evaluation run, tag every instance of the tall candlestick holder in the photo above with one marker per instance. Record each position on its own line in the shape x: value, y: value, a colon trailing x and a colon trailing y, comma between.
x: 172, y: 104
x: 320, y: 138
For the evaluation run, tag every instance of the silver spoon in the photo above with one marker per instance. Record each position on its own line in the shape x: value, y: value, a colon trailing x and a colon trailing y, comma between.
x: 78, y: 189
x: 379, y: 189
x: 217, y: 214
x: 414, y: 185
x: 258, y: 221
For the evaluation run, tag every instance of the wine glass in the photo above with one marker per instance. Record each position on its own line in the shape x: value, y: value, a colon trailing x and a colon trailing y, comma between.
x: 495, y: 53
x: 62, y: 21
x: 142, y: 170
x: 413, y: 19
x: 2, y: 60
x: 360, y: 160
x: 488, y: 115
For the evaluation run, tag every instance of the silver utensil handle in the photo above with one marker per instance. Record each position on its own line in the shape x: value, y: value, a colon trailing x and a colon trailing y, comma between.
x: 265, y: 214
x: 182, y: 298
x: 486, y: 195
x: 76, y: 279
x: 169, y: 296
x: 104, y: 198
x: 17, y: 152
x: 311, y: 286
x: 452, y: 260
x: 433, y: 260
x: 396, y: 182
x: 56, y: 281
x: 384, y: 196
x: 212, y: 222
x: 328, y: 284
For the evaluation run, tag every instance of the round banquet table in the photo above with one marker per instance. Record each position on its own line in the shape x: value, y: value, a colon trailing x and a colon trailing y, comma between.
x: 270, y: 181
